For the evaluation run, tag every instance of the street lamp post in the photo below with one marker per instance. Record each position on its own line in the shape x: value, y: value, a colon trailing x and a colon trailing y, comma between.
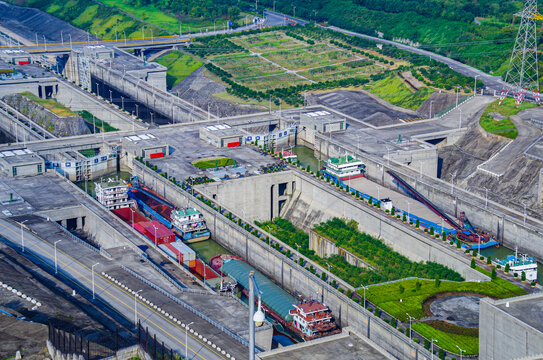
x: 452, y: 182
x: 431, y: 102
x: 486, y: 198
x: 432, y: 348
x: 156, y: 242
x: 364, y: 304
x: 459, y: 118
x: 329, y: 271
x: 475, y: 85
x: 255, y: 318
x: 55, y: 244
x: 410, y: 332
x: 378, y: 192
x: 136, y: 307
x: 132, y: 211
x: 22, y: 236
x: 409, y: 213
x: 92, y: 275
x: 461, y: 351
x: 186, y: 339
x: 110, y: 96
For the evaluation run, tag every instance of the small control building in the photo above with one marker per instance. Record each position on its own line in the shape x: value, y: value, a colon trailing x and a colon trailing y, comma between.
x: 145, y: 146
x: 222, y: 135
x: 21, y: 162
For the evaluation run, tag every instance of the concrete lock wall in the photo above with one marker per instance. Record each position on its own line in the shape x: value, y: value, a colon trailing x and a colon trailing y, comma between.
x: 312, y: 202
x: 17, y: 86
x: 285, y: 272
x: 503, y: 336
x: 103, y: 233
x: 162, y: 102
x: 78, y: 100
x: 506, y: 228
x: 256, y: 198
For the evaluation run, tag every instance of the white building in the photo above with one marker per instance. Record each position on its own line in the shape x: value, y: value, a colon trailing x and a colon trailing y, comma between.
x: 113, y: 194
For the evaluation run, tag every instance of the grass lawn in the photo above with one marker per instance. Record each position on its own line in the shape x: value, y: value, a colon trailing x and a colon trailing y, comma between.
x: 51, y: 105
x: 211, y: 162
x: 388, y: 296
x: 503, y: 127
x: 148, y: 13
x: 396, y: 92
x: 94, y: 121
x: 179, y: 67
x: 237, y: 100
x: 448, y: 341
x: 87, y: 152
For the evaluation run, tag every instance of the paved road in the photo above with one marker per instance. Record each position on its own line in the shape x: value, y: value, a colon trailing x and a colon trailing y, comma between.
x: 112, y: 295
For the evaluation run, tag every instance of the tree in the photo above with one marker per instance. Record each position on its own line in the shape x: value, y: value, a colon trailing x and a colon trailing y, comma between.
x: 493, y: 276
x: 506, y: 270
x: 401, y: 289
x: 417, y: 223
x: 370, y: 200
x: 437, y: 282
x: 472, y: 263
x: 489, y: 260
x: 458, y: 244
x: 404, y: 218
x: 523, y: 276
x: 392, y: 211
x: 347, y: 188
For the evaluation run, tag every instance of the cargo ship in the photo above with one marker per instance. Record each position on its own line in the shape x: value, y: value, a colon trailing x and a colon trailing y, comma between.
x: 312, y: 320
x: 344, y: 168
x: 190, y: 225
x: 307, y: 320
x: 187, y: 223
x: 519, y: 264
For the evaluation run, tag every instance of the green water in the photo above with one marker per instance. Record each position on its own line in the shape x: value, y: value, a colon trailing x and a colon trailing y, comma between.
x: 207, y: 249
x: 501, y: 252
x: 306, y: 157
x: 124, y: 175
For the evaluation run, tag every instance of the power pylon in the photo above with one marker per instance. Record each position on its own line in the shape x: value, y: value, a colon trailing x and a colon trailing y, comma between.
x: 522, y: 76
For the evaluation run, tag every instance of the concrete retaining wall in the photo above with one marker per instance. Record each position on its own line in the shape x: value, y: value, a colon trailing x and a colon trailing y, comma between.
x: 285, y: 272
x: 324, y: 247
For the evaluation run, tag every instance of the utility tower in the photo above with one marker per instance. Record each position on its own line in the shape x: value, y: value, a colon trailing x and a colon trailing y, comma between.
x: 522, y: 76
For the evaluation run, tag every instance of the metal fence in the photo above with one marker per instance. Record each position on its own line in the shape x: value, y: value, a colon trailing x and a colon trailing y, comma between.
x: 69, y: 343
x: 153, y: 347
x: 188, y: 307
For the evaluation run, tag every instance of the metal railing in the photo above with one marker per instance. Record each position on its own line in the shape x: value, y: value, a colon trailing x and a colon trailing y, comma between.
x: 187, y: 306
x: 176, y: 283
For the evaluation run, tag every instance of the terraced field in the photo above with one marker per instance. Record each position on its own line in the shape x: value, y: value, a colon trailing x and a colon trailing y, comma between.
x: 266, y: 42
x: 309, y: 57
x: 342, y: 71
x: 242, y: 66
x: 273, y: 82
